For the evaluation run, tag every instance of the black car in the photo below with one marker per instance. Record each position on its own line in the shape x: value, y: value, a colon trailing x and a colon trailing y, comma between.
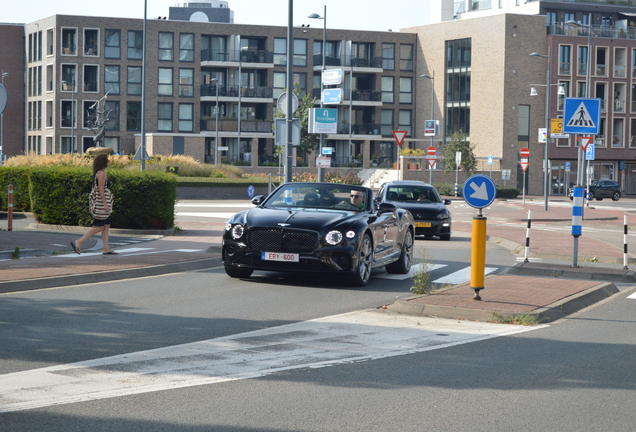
x: 322, y: 228
x: 600, y: 189
x: 429, y: 211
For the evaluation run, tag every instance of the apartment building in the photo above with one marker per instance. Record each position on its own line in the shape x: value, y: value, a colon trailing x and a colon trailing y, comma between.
x: 195, y: 67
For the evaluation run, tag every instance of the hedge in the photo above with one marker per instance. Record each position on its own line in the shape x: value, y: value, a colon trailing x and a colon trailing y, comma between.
x: 448, y: 189
x: 19, y: 178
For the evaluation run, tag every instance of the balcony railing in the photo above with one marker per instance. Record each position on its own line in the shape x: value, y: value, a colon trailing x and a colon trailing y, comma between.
x: 355, y: 61
x: 598, y: 31
x: 244, y: 56
x: 261, y: 126
x: 233, y: 91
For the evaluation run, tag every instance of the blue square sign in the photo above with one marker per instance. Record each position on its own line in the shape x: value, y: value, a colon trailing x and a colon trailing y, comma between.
x: 582, y: 116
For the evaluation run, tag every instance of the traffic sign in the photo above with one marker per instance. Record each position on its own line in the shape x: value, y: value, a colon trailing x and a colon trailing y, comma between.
x: 250, y: 191
x: 281, y: 104
x: 586, y: 141
x: 399, y: 136
x: 479, y: 191
x: 582, y: 116
x: 524, y: 152
x: 524, y: 166
x: 332, y: 96
x: 429, y: 128
x: 432, y: 151
x: 332, y: 76
x: 556, y: 129
x: 590, y: 152
x: 491, y: 159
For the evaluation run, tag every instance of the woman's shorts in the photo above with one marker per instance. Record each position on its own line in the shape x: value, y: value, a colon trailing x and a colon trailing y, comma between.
x: 101, y: 222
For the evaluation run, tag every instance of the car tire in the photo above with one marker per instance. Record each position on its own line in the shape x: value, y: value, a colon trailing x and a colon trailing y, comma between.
x: 403, y: 264
x: 364, y: 264
x: 616, y: 196
x: 445, y: 237
x: 238, y: 272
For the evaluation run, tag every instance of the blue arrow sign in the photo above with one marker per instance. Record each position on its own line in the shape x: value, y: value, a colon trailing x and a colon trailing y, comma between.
x: 582, y: 116
x: 479, y: 191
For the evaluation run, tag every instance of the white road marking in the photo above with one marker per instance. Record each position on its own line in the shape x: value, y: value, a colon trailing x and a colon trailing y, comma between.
x: 219, y: 215
x: 132, y: 251
x: 633, y: 296
x: 461, y: 276
x: 414, y: 270
x: 352, y: 337
x: 529, y: 259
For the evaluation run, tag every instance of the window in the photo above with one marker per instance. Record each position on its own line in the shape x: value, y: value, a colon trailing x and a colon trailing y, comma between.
x: 112, y: 44
x: 165, y: 87
x: 91, y: 42
x: 213, y: 48
x: 406, y: 57
x: 186, y: 82
x: 582, y: 61
x: 561, y: 98
x: 134, y: 80
x: 299, y: 55
x: 111, y: 115
x: 387, y: 90
x: 458, y: 62
x: 49, y: 114
x: 135, y: 44
x: 186, y: 117
x: 68, y: 115
x: 386, y: 122
x: 166, y: 46
x: 564, y: 59
x: 50, y: 42
x: 112, y: 142
x: 69, y: 41
x: 404, y: 121
x: 280, y: 83
x: 388, y: 56
x: 406, y: 90
x: 300, y: 52
x: 111, y: 79
x: 581, y: 89
x: 89, y: 111
x: 68, y: 77
x: 523, y: 123
x: 133, y: 117
x: 280, y: 51
x: 91, y: 74
x: 186, y: 47
x: 164, y: 117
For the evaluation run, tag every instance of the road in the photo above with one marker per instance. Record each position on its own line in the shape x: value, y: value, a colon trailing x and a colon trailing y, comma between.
x: 199, y: 351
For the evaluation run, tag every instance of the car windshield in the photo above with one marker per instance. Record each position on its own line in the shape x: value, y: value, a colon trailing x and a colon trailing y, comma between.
x: 414, y: 194
x: 318, y: 196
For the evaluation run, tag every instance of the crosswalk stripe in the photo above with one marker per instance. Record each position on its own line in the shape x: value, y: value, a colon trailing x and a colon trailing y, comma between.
x: 414, y: 270
x: 340, y: 339
x: 461, y: 276
x: 633, y: 296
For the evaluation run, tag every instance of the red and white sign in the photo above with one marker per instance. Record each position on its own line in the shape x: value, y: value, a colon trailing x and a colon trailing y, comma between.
x: 524, y: 152
x: 432, y: 151
x: 524, y: 165
x: 586, y: 141
x: 399, y: 136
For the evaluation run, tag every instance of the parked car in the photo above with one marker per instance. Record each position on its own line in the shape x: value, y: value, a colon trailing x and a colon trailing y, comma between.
x: 323, y: 228
x: 429, y: 211
x: 600, y: 189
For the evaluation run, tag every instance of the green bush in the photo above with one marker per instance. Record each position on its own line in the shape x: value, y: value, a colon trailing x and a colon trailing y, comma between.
x: 143, y: 200
x: 448, y: 189
x: 19, y: 178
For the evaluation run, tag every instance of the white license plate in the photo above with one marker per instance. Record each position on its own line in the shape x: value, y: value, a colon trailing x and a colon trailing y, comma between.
x: 277, y: 256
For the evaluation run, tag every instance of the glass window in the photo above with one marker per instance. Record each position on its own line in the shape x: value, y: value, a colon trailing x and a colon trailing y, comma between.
x: 134, y: 80
x: 387, y: 90
x: 166, y: 46
x: 135, y: 44
x: 111, y: 115
x: 91, y: 42
x: 133, y: 117
x: 404, y: 121
x: 68, y: 78
x: 69, y: 41
x: 406, y: 57
x: 186, y: 117
x: 280, y: 83
x: 89, y: 111
x: 523, y: 122
x: 280, y: 52
x: 164, y: 117
x: 112, y: 44
x: 186, y: 47
x: 406, y: 90
x: 388, y: 56
x: 564, y: 59
x: 91, y: 74
x: 111, y: 79
x: 386, y: 122
x: 186, y: 82
x: 112, y: 142
x: 165, y: 87
x: 300, y: 52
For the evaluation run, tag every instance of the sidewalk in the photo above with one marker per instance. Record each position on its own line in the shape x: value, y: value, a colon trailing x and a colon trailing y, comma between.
x: 528, y: 288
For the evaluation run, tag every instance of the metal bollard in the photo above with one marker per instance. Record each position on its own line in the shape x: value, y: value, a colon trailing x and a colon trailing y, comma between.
x: 625, y: 228
x: 10, y: 209
x: 528, y: 236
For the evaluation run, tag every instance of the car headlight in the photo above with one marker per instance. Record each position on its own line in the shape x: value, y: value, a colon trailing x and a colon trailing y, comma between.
x: 333, y: 237
x: 351, y: 234
x: 443, y: 215
x: 237, y: 231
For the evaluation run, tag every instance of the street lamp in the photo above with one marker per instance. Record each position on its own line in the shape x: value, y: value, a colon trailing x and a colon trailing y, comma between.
x: 216, y: 117
x: 4, y: 74
x: 579, y: 170
x: 321, y: 172
x: 547, y: 125
x: 432, y: 78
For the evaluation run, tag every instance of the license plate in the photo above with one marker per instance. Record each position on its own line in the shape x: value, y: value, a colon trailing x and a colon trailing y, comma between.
x: 277, y: 256
x: 423, y: 224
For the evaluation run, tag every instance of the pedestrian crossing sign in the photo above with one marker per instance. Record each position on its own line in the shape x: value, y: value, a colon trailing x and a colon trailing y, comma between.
x: 582, y: 116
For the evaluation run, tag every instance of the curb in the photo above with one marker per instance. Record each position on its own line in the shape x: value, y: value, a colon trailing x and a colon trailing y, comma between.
x: 106, y: 276
x: 112, y: 231
x: 566, y: 272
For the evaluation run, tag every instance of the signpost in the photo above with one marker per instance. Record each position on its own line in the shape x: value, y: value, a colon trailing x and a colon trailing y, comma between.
x: 432, y: 152
x: 479, y: 191
x: 399, y: 139
x: 525, y: 154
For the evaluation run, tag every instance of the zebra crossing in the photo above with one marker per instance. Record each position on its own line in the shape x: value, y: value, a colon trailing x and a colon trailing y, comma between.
x: 438, y: 274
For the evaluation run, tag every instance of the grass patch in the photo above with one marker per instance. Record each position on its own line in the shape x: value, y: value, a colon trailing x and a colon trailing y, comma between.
x: 421, y: 277
x: 526, y: 319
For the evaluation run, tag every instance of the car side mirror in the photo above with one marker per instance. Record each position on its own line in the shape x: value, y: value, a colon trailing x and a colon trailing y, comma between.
x: 385, y: 207
x: 258, y: 199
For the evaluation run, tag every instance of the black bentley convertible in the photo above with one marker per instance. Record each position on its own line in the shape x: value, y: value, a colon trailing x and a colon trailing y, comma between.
x: 319, y: 227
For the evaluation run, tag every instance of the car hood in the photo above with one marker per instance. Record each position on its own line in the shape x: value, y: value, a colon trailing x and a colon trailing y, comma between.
x: 312, y: 219
x: 422, y: 211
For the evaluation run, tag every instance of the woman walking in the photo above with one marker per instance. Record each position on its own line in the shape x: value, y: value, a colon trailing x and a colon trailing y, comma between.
x: 99, y: 225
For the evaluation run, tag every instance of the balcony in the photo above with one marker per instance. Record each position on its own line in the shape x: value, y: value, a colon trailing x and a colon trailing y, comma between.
x: 349, y: 61
x: 242, y: 56
x: 233, y: 91
x: 231, y: 125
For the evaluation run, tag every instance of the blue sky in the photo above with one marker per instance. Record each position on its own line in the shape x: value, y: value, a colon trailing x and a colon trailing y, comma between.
x: 351, y: 15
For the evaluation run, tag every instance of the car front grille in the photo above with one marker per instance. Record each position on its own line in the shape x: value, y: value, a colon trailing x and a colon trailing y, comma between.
x: 282, y: 240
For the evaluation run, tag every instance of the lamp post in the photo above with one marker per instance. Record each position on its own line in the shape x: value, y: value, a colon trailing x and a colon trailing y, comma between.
x: 321, y: 172
x: 432, y: 78
x: 547, y: 125
x: 216, y: 118
x: 4, y: 74
x: 580, y: 159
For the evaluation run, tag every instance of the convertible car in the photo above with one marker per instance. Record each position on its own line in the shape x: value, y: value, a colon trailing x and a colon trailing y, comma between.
x: 319, y: 227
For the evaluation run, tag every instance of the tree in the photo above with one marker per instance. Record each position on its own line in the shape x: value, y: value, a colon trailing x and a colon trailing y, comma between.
x: 308, y: 142
x: 458, y: 143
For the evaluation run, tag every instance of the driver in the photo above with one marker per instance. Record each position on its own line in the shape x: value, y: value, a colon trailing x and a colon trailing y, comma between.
x: 357, y: 199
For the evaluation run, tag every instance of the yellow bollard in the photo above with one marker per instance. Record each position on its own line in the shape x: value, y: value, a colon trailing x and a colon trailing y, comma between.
x: 478, y: 255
